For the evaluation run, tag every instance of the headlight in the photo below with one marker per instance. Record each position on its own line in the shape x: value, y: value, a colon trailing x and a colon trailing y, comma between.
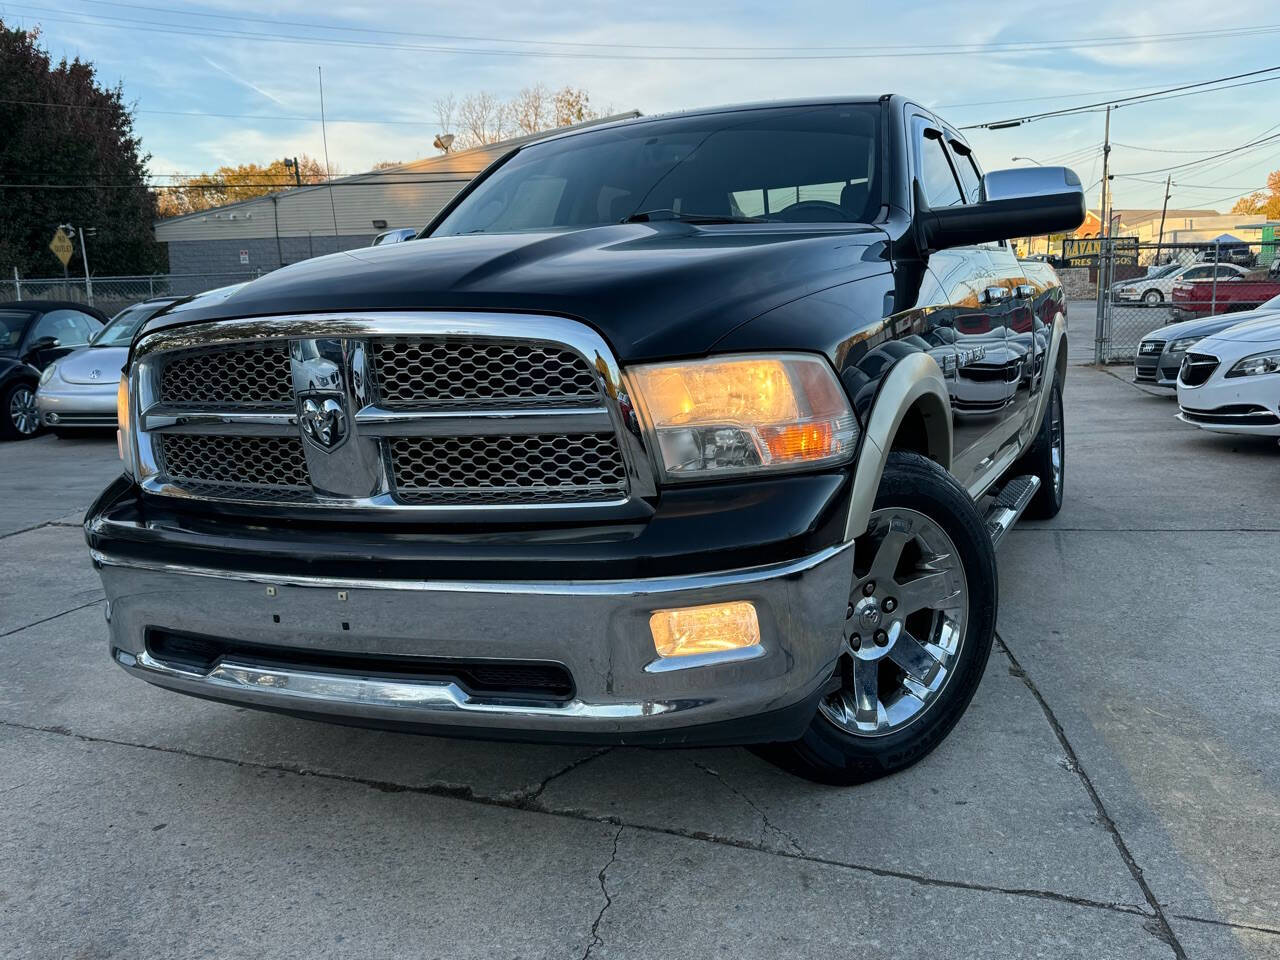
x: 47, y: 373
x: 1257, y: 365
x: 743, y: 414
x: 124, y: 425
x: 1183, y: 345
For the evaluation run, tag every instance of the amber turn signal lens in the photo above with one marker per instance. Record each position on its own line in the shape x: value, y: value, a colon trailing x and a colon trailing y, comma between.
x: 744, y: 413
x: 711, y: 628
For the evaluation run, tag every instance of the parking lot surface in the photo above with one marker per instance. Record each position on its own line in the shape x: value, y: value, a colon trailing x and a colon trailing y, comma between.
x: 1114, y: 791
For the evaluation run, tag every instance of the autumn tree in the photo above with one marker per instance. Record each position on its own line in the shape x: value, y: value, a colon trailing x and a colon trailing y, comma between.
x: 231, y: 184
x: 69, y: 154
x: 1266, y: 202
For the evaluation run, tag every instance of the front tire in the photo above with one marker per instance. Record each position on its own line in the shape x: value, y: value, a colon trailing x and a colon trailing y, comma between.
x: 19, y: 417
x: 923, y: 612
x: 1047, y: 459
x: 1153, y: 297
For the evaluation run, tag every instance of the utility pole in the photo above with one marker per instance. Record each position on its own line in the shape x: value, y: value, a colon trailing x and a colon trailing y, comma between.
x: 292, y: 164
x: 1168, y: 182
x: 1104, y: 234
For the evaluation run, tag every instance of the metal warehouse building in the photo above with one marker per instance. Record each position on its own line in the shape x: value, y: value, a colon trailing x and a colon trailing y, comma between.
x: 266, y: 233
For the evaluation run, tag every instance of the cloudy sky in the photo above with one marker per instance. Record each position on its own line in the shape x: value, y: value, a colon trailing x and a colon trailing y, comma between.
x: 385, y: 63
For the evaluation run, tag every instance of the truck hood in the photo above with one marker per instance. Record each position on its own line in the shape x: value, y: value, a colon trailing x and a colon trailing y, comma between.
x: 93, y: 365
x: 652, y: 289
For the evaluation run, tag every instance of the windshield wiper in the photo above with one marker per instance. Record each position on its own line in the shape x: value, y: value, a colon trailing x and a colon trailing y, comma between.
x: 666, y: 213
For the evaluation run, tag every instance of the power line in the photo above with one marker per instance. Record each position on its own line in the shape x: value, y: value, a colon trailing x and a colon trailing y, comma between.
x: 1012, y: 44
x: 1123, y: 101
x: 230, y: 188
x: 1225, y: 153
x: 878, y: 52
x: 226, y: 116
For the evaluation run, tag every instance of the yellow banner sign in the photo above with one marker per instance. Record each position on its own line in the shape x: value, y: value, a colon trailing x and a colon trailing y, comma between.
x: 61, y: 247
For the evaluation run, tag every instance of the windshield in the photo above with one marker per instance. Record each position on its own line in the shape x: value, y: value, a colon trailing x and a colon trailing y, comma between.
x: 794, y: 165
x: 121, y: 328
x: 12, y: 323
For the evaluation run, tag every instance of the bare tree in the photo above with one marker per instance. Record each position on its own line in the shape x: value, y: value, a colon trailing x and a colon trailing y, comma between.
x: 531, y: 109
x: 483, y: 118
x: 446, y: 115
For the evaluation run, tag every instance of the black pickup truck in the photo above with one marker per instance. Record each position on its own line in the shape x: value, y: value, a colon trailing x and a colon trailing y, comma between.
x: 690, y: 429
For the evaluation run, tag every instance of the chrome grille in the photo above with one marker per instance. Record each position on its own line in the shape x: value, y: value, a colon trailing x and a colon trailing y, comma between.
x: 419, y: 409
x: 278, y: 462
x: 242, y: 376
x: 1197, y: 368
x: 536, y: 468
x: 415, y: 372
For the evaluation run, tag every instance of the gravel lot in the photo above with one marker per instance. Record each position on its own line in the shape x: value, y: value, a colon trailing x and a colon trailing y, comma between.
x: 1114, y: 791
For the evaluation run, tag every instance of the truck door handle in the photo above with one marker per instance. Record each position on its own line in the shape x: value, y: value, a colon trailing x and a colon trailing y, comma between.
x: 1024, y: 291
x: 995, y: 295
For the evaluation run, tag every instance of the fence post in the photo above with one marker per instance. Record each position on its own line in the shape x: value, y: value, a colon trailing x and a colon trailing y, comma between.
x: 17, y: 284
x: 1217, y: 259
x: 1099, y: 332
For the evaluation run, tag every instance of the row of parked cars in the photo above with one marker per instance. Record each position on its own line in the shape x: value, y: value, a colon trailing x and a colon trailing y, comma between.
x: 1221, y: 367
x: 60, y: 362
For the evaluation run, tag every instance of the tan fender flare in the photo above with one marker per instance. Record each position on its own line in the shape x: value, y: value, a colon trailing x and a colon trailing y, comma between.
x: 914, y: 381
x: 1051, y: 375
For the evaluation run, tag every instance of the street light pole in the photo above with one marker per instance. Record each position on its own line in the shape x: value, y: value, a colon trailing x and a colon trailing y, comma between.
x: 1030, y: 159
x: 1104, y: 234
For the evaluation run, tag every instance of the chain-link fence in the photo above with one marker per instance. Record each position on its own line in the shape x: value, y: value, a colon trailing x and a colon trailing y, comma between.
x: 1144, y: 286
x: 113, y: 294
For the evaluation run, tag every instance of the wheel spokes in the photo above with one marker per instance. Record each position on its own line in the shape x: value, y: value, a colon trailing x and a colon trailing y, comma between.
x: 889, y: 552
x: 932, y: 590
x: 914, y: 658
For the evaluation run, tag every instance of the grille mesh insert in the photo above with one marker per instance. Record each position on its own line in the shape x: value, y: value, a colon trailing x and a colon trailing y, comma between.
x: 254, y: 376
x: 469, y: 373
x: 541, y: 468
x: 249, y: 462
x: 1197, y: 368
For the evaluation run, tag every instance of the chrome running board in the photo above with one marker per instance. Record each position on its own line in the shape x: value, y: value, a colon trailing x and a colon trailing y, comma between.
x: 1008, y: 505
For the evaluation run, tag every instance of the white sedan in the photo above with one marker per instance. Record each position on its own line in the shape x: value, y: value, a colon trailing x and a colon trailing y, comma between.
x: 1230, y: 382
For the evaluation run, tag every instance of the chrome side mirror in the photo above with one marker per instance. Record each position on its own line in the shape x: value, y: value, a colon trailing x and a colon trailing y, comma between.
x: 1023, y: 202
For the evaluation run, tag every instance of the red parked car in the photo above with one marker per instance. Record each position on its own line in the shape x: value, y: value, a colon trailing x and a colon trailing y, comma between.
x: 1201, y: 298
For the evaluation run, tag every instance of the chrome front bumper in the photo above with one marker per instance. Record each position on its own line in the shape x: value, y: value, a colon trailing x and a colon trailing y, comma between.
x: 77, y: 406
x: 598, y: 630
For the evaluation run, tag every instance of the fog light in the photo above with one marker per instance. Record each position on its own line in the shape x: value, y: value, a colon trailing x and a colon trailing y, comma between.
x: 50, y: 418
x: 711, y: 628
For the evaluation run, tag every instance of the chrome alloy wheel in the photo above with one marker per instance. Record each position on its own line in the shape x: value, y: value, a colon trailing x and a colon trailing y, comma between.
x: 22, y: 411
x: 904, y: 625
x: 1057, y: 447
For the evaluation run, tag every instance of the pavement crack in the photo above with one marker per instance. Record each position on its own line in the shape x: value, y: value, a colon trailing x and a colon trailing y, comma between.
x: 55, y: 616
x: 1162, y: 929
x: 531, y: 798
x: 1272, y: 931
x: 596, y: 939
x: 766, y: 825
x: 14, y: 533
x: 467, y: 794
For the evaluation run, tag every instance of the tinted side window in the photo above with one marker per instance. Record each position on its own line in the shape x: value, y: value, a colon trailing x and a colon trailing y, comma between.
x: 937, y: 179
x: 967, y: 167
x: 69, y: 327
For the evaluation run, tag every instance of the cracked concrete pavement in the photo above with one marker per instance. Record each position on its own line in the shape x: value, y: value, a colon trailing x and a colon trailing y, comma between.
x: 1114, y: 790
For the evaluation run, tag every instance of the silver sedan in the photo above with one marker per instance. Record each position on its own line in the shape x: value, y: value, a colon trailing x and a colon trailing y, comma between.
x: 79, y: 390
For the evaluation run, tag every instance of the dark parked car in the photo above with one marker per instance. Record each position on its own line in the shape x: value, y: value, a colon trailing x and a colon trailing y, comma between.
x: 668, y: 431
x: 33, y: 334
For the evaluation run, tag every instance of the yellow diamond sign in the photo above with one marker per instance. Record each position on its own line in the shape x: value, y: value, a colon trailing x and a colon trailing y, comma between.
x: 61, y: 247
